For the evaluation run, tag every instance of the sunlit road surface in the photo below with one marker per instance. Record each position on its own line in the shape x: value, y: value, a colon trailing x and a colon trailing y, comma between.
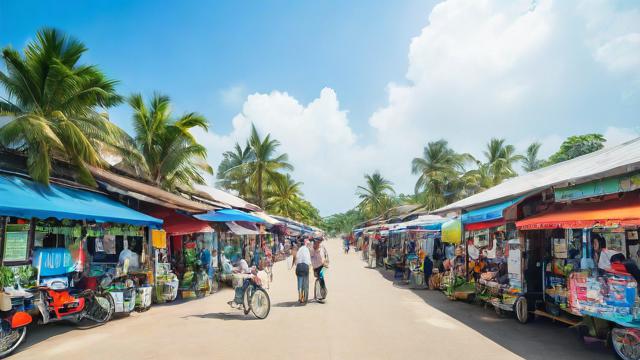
x: 365, y: 317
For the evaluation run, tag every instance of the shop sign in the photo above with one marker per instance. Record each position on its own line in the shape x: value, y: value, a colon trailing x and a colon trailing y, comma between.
x: 608, y: 186
x: 16, y: 243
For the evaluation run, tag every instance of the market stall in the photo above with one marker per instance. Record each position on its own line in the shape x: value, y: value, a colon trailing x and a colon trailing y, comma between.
x: 493, y: 255
x: 240, y: 239
x: 573, y: 242
x: 187, y: 255
x: 89, y: 233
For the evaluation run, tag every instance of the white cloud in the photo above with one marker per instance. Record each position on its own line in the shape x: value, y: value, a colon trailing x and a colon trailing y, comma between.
x: 521, y: 70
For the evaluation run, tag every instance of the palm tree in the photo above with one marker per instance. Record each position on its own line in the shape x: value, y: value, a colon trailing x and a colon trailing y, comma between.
x: 375, y: 195
x: 439, y: 169
x: 233, y: 173
x: 52, y: 102
x: 501, y: 158
x: 173, y: 158
x: 531, y: 162
x: 283, y: 196
x: 264, y: 166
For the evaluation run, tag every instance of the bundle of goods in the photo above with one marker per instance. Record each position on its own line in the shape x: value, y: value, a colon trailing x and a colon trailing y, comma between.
x: 611, y: 296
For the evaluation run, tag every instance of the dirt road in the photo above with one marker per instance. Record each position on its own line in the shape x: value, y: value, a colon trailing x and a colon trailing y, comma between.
x: 365, y: 317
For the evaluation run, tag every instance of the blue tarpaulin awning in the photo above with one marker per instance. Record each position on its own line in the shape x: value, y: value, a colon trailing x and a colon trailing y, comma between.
x: 225, y: 215
x: 489, y: 213
x: 26, y: 199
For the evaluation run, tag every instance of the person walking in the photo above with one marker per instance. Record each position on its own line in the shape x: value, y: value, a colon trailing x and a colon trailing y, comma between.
x: 302, y: 261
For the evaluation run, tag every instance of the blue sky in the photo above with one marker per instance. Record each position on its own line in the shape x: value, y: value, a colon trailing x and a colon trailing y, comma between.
x: 350, y: 87
x: 196, y: 50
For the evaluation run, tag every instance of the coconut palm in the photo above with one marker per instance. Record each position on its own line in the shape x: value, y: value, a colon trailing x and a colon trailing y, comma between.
x: 501, y: 159
x: 173, y: 158
x: 264, y: 166
x: 283, y: 196
x: 531, y: 162
x: 376, y: 195
x: 233, y: 173
x: 53, y: 104
x: 439, y: 169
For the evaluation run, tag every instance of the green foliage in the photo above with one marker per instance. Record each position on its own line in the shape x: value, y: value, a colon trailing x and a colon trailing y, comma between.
x: 500, y: 159
x: 343, y: 223
x: 7, y: 277
x: 171, y: 155
x: 440, y: 169
x: 52, y: 101
x: 376, y: 196
x: 577, y: 145
x: 531, y: 162
x: 233, y: 173
x: 257, y: 173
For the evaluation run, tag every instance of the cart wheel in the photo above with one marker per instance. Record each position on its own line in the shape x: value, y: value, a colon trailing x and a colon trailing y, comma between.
x: 521, y: 308
x: 625, y: 343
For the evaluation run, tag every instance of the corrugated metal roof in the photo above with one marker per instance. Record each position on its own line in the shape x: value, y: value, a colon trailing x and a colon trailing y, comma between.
x: 146, y: 192
x: 607, y: 162
x: 223, y: 196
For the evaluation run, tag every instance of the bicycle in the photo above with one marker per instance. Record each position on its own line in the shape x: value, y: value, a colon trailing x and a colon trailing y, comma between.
x: 255, y: 298
x: 319, y: 292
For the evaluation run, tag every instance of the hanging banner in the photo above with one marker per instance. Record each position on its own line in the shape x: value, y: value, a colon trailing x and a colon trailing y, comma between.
x: 159, y: 239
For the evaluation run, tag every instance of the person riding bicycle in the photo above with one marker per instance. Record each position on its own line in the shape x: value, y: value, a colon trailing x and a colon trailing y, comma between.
x: 319, y: 260
x: 240, y: 272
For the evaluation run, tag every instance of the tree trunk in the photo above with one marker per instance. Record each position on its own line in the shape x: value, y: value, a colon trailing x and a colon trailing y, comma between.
x: 260, y: 187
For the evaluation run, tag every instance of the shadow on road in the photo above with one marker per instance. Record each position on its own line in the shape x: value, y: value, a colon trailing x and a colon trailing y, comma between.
x: 541, y: 339
x: 224, y: 316
x: 287, y: 304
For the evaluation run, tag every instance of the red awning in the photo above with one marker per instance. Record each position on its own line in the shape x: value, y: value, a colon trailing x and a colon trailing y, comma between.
x: 484, y: 225
x: 606, y: 213
x: 178, y: 224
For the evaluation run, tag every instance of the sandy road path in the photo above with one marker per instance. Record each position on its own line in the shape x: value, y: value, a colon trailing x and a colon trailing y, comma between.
x: 365, y: 317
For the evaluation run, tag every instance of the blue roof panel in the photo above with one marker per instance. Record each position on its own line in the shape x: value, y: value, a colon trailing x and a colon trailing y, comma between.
x: 27, y: 199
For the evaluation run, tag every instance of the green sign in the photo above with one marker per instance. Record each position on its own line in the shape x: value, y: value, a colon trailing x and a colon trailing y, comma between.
x: 607, y: 186
x: 16, y: 244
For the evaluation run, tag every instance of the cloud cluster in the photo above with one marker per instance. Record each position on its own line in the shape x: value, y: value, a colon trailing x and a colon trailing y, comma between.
x: 523, y: 70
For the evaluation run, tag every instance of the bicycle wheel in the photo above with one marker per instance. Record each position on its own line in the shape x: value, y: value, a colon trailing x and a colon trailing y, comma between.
x: 100, y: 308
x: 626, y: 343
x: 260, y: 303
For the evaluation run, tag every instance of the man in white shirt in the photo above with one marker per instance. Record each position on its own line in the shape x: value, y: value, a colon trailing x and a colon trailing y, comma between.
x: 302, y: 263
x: 240, y: 272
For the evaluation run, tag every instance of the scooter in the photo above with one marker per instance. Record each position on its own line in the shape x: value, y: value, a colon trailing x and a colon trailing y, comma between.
x: 54, y: 298
x: 13, y: 322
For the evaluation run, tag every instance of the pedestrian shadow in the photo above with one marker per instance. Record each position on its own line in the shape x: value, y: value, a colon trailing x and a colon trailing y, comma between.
x: 223, y: 316
x: 287, y: 304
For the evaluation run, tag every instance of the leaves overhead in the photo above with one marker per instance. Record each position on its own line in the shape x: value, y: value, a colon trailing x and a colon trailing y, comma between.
x: 171, y: 155
x: 53, y: 101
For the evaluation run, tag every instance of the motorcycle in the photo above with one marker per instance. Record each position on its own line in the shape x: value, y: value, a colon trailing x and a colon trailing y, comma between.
x: 54, y: 298
x: 14, y: 321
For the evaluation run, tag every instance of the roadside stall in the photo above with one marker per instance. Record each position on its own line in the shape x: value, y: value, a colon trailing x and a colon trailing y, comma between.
x: 80, y: 234
x: 189, y: 252
x: 233, y: 245
x: 453, y: 278
x: 493, y: 251
x: 577, y: 286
